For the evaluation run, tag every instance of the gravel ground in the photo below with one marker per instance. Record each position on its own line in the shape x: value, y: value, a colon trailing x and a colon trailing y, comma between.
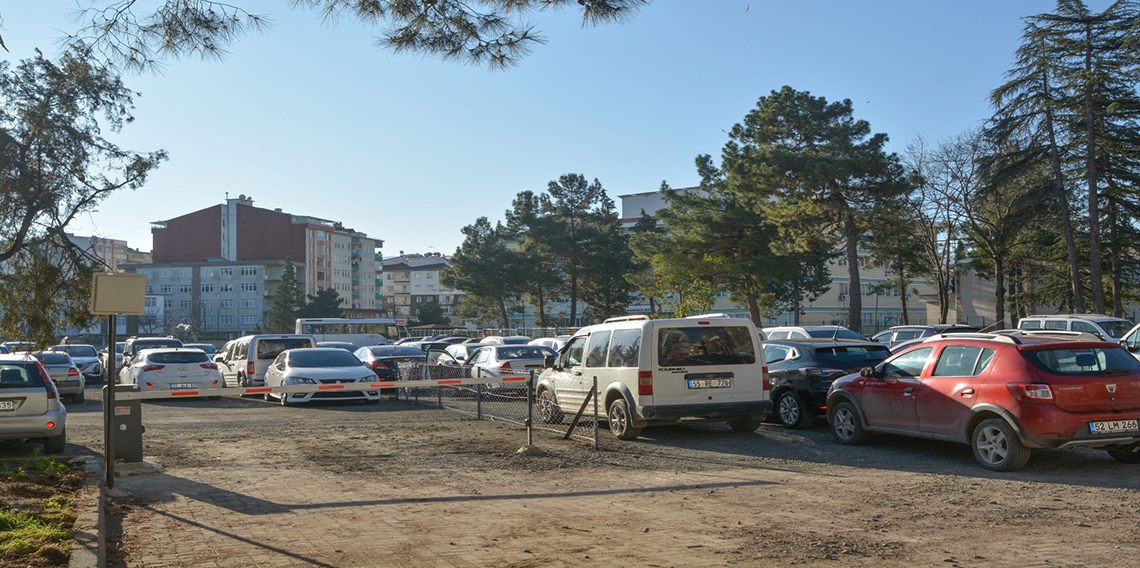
x: 681, y: 495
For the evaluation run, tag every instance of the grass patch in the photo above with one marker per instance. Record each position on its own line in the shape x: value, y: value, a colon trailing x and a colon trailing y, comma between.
x: 38, y: 466
x: 22, y: 532
x: 36, y: 515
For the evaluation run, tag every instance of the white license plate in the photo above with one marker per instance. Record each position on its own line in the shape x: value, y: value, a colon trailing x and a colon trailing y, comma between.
x: 710, y: 383
x: 7, y: 405
x: 183, y: 386
x: 1114, y: 427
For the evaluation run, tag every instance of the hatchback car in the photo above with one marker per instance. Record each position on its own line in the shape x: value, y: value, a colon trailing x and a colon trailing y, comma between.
x: 801, y: 373
x: 1002, y: 394
x: 386, y: 360
x: 29, y: 404
x: 319, y: 366
x: 86, y: 359
x: 172, y: 369
x: 62, y: 370
x: 499, y: 361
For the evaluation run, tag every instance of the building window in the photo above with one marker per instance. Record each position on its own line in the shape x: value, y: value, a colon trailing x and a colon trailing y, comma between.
x: 227, y: 303
x: 149, y: 289
x: 430, y: 275
x: 208, y: 304
x: 184, y: 304
x: 164, y: 274
x: 167, y: 304
x: 251, y: 303
x: 184, y: 273
x: 226, y: 320
x: 150, y: 302
x: 207, y: 271
x: 226, y: 287
x: 186, y: 288
x: 208, y: 320
x: 248, y: 319
x: 165, y: 289
x: 249, y: 287
x: 249, y: 271
x: 226, y: 271
x: 207, y: 287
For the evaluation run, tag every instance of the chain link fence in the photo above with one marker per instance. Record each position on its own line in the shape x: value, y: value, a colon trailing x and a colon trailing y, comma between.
x: 507, y: 402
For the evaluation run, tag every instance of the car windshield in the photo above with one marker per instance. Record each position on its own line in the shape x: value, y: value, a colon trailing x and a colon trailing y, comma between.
x: 837, y: 334
x: 19, y: 375
x: 269, y: 348
x: 1115, y: 328
x: 322, y: 358
x: 522, y: 353
x: 119, y: 347
x: 52, y: 359
x: 851, y: 356
x: 397, y: 352
x: 1084, y: 361
x: 697, y: 346
x: 140, y: 345
x: 203, y: 346
x: 77, y: 350
x: 178, y: 357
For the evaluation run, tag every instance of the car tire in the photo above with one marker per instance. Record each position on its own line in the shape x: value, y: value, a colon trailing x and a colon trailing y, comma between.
x: 744, y: 424
x: 214, y: 397
x: 78, y: 397
x: 621, y: 420
x: 846, y: 426
x: 284, y: 399
x: 997, y: 447
x: 792, y: 412
x: 56, y: 444
x: 548, y: 410
x: 1130, y: 455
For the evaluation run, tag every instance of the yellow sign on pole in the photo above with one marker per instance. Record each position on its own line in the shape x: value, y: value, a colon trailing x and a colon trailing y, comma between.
x: 118, y: 294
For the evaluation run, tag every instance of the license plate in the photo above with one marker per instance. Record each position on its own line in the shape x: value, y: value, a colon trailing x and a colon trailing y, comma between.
x: 183, y: 386
x: 7, y: 405
x: 1114, y: 427
x: 710, y: 383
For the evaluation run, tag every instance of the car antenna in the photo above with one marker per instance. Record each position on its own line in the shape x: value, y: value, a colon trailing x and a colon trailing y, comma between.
x: 835, y: 333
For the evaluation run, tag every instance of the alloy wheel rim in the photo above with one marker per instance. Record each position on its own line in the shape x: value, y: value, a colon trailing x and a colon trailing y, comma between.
x: 789, y: 410
x: 617, y: 419
x: 844, y: 424
x: 992, y: 445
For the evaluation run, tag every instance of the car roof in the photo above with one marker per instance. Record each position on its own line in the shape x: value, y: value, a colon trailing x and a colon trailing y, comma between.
x: 15, y: 358
x: 172, y: 350
x: 1092, y: 317
x: 1029, y: 338
x: 816, y: 341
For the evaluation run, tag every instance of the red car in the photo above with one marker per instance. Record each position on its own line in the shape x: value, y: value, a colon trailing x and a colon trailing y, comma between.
x: 1001, y: 394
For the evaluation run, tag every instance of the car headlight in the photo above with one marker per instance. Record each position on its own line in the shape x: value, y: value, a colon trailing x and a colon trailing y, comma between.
x: 366, y: 379
x: 299, y: 381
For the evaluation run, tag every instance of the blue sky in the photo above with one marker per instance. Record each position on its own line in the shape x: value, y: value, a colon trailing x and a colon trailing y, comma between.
x: 315, y: 119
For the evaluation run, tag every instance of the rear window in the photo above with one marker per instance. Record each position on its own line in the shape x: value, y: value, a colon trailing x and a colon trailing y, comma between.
x: 140, y: 345
x: 52, y: 359
x: 1115, y: 328
x: 268, y: 349
x: 78, y: 350
x: 703, y: 346
x: 851, y: 356
x: 19, y: 375
x: 1084, y: 361
x: 321, y: 358
x: 522, y: 353
x: 840, y: 334
x: 397, y: 352
x: 177, y: 358
x: 516, y: 340
x: 1030, y: 324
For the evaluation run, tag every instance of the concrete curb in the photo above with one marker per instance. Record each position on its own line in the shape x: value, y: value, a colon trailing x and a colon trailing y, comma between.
x: 88, y: 549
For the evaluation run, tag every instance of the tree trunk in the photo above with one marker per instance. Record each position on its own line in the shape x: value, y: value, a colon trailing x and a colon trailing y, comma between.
x: 1096, y: 278
x: 1066, y: 214
x: 753, y: 306
x: 999, y: 293
x: 943, y: 303
x: 573, y: 299
x: 902, y: 298
x: 503, y: 312
x: 541, y: 308
x: 795, y: 303
x: 1115, y: 244
x: 855, y: 308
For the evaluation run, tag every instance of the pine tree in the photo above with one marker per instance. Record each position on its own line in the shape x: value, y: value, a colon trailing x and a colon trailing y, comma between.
x: 486, y: 270
x: 286, y: 301
x: 327, y: 303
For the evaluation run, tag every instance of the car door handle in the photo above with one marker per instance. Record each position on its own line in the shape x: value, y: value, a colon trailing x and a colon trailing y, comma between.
x: 908, y: 390
x: 967, y: 391
x: 577, y: 373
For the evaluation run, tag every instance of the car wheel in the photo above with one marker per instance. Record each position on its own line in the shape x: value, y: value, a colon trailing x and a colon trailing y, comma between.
x: 215, y: 398
x: 284, y: 400
x: 78, y: 397
x: 743, y: 424
x: 55, y: 444
x: 997, y: 447
x: 846, y: 426
x: 792, y: 411
x: 548, y: 409
x: 621, y: 420
x: 1130, y: 455
x: 241, y: 381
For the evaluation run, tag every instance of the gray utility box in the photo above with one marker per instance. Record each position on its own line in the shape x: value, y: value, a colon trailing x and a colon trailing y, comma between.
x: 126, y: 426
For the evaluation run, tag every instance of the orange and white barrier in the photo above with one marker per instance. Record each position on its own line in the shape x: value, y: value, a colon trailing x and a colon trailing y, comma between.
x: 152, y: 394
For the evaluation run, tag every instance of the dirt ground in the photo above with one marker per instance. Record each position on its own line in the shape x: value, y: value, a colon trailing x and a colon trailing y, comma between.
x: 247, y: 483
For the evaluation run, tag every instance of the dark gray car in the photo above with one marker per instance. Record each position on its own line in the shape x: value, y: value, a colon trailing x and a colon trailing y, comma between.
x: 801, y: 371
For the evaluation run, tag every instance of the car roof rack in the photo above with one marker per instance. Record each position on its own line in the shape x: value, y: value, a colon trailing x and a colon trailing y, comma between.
x: 988, y: 336
x: 627, y: 318
x: 709, y: 315
x: 1061, y: 332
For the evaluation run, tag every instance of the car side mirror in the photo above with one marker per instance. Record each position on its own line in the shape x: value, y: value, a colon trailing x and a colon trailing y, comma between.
x: 867, y: 372
x: 549, y: 361
x: 219, y: 358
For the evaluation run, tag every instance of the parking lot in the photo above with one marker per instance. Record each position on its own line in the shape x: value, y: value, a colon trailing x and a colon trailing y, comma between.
x: 248, y: 483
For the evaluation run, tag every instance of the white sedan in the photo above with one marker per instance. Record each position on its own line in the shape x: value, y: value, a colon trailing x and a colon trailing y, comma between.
x: 172, y: 369
x: 319, y: 366
x: 500, y: 361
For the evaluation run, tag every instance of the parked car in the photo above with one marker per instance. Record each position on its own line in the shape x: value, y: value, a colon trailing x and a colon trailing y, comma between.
x: 453, y: 339
x: 19, y: 346
x: 662, y: 371
x: 1108, y: 328
x: 29, y: 404
x: 206, y: 348
x: 1131, y: 341
x: 498, y: 361
x: 817, y: 332
x: 86, y: 359
x: 409, y: 340
x: 172, y: 369
x: 316, y: 366
x: 63, y: 372
x: 509, y: 340
x: 346, y: 345
x: 433, y: 349
x: 244, y: 361
x: 554, y: 343
x: 1002, y: 394
x: 118, y: 356
x: 801, y: 373
x: 133, y: 345
x: 385, y: 360
x: 902, y: 333
x: 458, y: 353
x: 4, y: 350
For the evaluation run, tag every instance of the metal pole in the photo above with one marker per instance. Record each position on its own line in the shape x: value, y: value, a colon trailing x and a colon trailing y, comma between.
x: 530, y: 409
x: 479, y: 402
x: 109, y: 405
x: 595, y: 412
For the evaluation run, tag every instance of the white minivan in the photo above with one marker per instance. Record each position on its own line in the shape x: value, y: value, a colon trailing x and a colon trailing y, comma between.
x: 652, y: 372
x: 243, y: 361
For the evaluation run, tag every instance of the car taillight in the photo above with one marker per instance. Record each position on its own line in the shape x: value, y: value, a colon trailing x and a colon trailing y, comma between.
x: 505, y: 365
x: 251, y: 368
x: 1036, y: 393
x: 73, y: 372
x: 48, y: 384
x: 645, y: 383
x: 767, y: 385
x: 378, y: 365
x: 153, y: 367
x: 210, y: 366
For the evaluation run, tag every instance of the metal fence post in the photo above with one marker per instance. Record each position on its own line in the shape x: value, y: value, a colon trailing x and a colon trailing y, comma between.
x: 530, y: 409
x: 479, y: 401
x: 595, y: 412
x: 109, y: 404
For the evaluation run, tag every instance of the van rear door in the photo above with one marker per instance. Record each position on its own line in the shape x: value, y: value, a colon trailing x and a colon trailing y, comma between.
x: 705, y: 362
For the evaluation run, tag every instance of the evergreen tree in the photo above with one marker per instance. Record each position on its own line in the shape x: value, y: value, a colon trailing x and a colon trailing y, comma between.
x: 286, y: 301
x: 327, y: 303
x: 605, y: 289
x: 486, y: 270
x: 575, y: 219
x: 539, y: 272
x: 430, y: 313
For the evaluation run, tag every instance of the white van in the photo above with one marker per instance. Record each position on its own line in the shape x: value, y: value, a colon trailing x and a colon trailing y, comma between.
x: 243, y: 361
x: 652, y: 372
x: 1107, y: 327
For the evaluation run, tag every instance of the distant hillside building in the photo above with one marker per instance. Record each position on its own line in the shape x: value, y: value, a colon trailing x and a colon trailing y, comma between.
x: 412, y: 280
